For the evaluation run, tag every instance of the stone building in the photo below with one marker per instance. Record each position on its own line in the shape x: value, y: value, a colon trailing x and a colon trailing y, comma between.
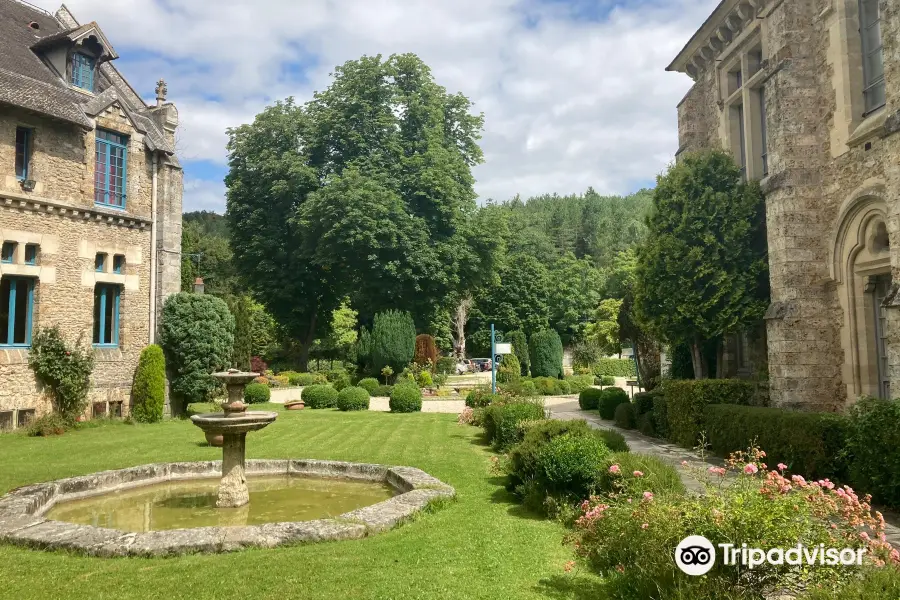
x: 806, y: 93
x: 90, y: 206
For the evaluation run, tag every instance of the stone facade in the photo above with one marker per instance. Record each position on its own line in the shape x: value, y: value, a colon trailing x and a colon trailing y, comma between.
x: 791, y: 72
x: 55, y: 210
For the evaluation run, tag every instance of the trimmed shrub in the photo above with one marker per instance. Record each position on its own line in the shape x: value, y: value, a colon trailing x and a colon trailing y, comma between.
x: 615, y: 367
x: 370, y: 384
x: 874, y: 445
x: 502, y: 421
x: 198, y: 339
x: 656, y: 476
x: 523, y: 388
x: 606, y: 380
x: 520, y: 349
x: 446, y: 365
x: 426, y: 354
x: 563, y: 387
x: 661, y: 416
x: 808, y: 443
x: 579, y: 383
x: 568, y: 467
x: 614, y: 440
x: 301, y: 379
x: 546, y: 386
x: 643, y: 402
x: 257, y: 393
x: 624, y: 416
x: 339, y: 379
x: 405, y: 398
x: 509, y: 370
x: 479, y: 398
x: 589, y: 399
x: 645, y: 424
x: 319, y: 396
x: 610, y: 398
x: 424, y: 380
x: 393, y: 340
x: 65, y: 370
x: 383, y: 391
x: 148, y: 394
x: 353, y: 398
x: 546, y: 352
x: 687, y: 399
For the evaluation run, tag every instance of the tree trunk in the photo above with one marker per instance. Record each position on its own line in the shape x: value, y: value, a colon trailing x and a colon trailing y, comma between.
x: 701, y: 368
x: 458, y: 322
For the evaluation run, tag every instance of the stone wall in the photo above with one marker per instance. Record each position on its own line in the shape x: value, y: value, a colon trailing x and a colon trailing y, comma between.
x: 827, y: 161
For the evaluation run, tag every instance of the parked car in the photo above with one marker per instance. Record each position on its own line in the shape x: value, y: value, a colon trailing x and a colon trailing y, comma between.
x: 482, y: 364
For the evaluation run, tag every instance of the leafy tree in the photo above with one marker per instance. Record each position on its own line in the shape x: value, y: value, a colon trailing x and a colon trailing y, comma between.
x: 520, y: 349
x: 603, y: 331
x: 393, y: 340
x: 521, y: 300
x: 206, y: 253
x: 243, y: 331
x: 342, y: 337
x: 262, y: 330
x: 149, y: 390
x: 546, y: 354
x: 575, y: 286
x: 702, y: 272
x: 198, y: 339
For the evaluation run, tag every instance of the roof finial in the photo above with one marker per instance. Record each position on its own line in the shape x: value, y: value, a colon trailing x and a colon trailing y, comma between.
x: 161, y: 91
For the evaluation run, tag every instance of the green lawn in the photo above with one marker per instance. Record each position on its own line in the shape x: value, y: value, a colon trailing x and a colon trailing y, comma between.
x: 480, y: 546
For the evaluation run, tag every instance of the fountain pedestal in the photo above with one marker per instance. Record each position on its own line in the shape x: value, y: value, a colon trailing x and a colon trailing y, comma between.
x: 233, y: 424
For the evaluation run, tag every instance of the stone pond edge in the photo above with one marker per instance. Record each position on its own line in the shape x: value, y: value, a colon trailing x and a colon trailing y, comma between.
x: 22, y: 523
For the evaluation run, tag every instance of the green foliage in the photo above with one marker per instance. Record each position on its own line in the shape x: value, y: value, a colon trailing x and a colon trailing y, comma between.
x: 426, y: 354
x: 661, y: 416
x: 339, y: 379
x: 682, y: 366
x: 523, y: 388
x: 703, y: 271
x: 301, y: 379
x: 424, y: 380
x: 809, y: 443
x: 320, y: 396
x: 393, y: 340
x: 686, y: 401
x: 614, y: 440
x: 446, y: 365
x: 365, y: 362
x: 874, y: 445
x: 370, y: 384
x: 148, y: 393
x: 603, y: 331
x: 353, y: 398
x: 520, y: 349
x: 65, y: 371
x: 875, y: 582
x: 509, y: 370
x: 342, y: 335
x: 607, y: 380
x: 405, y: 398
x: 579, y: 383
x: 575, y: 285
x: 646, y: 424
x: 243, y: 331
x: 205, y: 235
x: 257, y: 393
x: 198, y: 340
x: 503, y: 420
x: 657, y: 476
x: 624, y: 416
x: 549, y: 386
x: 49, y: 425
x: 383, y: 391
x: 479, y: 398
x: 610, y: 398
x: 520, y: 302
x: 589, y: 399
x: 546, y: 353
x: 615, y: 367
x: 643, y: 403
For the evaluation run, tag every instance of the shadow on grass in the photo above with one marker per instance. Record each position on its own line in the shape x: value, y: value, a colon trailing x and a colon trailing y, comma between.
x: 572, y: 587
x: 516, y: 509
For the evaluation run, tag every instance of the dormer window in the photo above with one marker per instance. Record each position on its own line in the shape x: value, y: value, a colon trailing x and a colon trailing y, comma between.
x: 83, y: 71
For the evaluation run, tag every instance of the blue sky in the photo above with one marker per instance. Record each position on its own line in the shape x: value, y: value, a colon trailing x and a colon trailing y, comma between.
x: 574, y: 91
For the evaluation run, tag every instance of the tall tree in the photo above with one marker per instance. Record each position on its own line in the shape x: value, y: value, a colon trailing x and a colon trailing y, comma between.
x: 702, y: 272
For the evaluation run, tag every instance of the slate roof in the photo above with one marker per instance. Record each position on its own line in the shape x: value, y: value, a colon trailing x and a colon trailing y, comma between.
x: 29, y: 83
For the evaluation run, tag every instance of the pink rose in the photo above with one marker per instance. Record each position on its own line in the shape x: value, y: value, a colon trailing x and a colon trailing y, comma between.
x: 638, y: 474
x: 648, y: 496
x: 614, y: 469
x: 782, y: 467
x: 645, y: 525
x: 750, y: 469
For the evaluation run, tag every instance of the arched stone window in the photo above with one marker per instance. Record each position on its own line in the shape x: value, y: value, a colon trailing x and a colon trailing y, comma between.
x: 862, y: 270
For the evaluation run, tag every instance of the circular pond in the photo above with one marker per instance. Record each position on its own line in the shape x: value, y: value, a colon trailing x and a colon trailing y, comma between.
x: 169, y: 509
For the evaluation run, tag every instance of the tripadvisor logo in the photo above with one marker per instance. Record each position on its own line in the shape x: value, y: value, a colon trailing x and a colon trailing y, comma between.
x: 696, y: 555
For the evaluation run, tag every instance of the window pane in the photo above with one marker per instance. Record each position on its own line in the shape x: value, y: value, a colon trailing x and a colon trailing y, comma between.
x: 874, y: 66
x: 868, y: 13
x: 108, y: 317
x: 97, y: 302
x: 4, y: 309
x: 875, y: 97
x: 22, y: 136
x: 9, y: 249
x: 20, y: 333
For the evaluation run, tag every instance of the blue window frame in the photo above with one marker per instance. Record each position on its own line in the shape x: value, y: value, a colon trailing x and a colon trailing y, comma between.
x: 110, y: 169
x: 31, y: 254
x: 8, y: 252
x: 118, y: 264
x: 83, y: 71
x: 106, y: 315
x: 100, y: 262
x: 23, y: 152
x: 16, y: 308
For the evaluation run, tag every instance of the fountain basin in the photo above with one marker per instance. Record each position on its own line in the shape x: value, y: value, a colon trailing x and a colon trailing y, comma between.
x: 24, y: 518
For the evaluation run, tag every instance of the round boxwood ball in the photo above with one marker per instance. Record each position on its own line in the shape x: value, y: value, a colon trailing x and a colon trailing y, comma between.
x: 353, y: 398
x: 406, y: 398
x: 320, y: 396
x: 589, y: 399
x: 257, y: 393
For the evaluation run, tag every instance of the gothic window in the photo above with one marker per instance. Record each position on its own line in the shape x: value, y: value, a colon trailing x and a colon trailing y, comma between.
x: 23, y: 152
x: 110, y: 169
x: 873, y: 56
x: 106, y: 315
x: 83, y: 71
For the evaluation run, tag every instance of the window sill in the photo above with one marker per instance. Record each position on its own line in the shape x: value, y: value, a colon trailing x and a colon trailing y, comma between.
x: 871, y: 127
x: 107, y: 353
x: 14, y: 355
x: 109, y: 206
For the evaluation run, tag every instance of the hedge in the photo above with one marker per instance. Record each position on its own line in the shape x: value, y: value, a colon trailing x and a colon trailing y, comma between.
x: 479, y: 398
x: 874, y: 445
x: 643, y: 402
x: 149, y: 390
x: 624, y: 416
x: 589, y: 399
x: 546, y: 353
x: 810, y: 444
x: 579, y: 383
x: 257, y: 393
x: 645, y: 424
x: 319, y: 396
x: 353, y: 398
x: 660, y: 416
x: 370, y: 384
x: 686, y: 400
x: 405, y: 398
x: 520, y: 349
x: 502, y: 421
x: 610, y: 398
x: 615, y: 367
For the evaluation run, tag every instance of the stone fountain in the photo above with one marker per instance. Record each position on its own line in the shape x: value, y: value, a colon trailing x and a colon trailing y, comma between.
x: 233, y: 424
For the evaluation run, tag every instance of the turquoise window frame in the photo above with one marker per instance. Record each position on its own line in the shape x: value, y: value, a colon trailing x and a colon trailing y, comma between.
x: 83, y: 71
x: 18, y: 285
x: 118, y: 264
x: 25, y: 152
x: 110, y: 169
x: 100, y: 262
x: 31, y: 254
x: 104, y: 294
x: 8, y: 252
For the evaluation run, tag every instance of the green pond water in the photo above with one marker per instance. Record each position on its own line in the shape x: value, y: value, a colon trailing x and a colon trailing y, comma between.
x: 184, y: 504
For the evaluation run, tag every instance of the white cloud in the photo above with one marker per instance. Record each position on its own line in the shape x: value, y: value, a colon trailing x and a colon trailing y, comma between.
x: 568, y: 104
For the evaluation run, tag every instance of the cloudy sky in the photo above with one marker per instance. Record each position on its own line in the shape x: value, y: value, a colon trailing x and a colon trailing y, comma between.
x: 574, y: 92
